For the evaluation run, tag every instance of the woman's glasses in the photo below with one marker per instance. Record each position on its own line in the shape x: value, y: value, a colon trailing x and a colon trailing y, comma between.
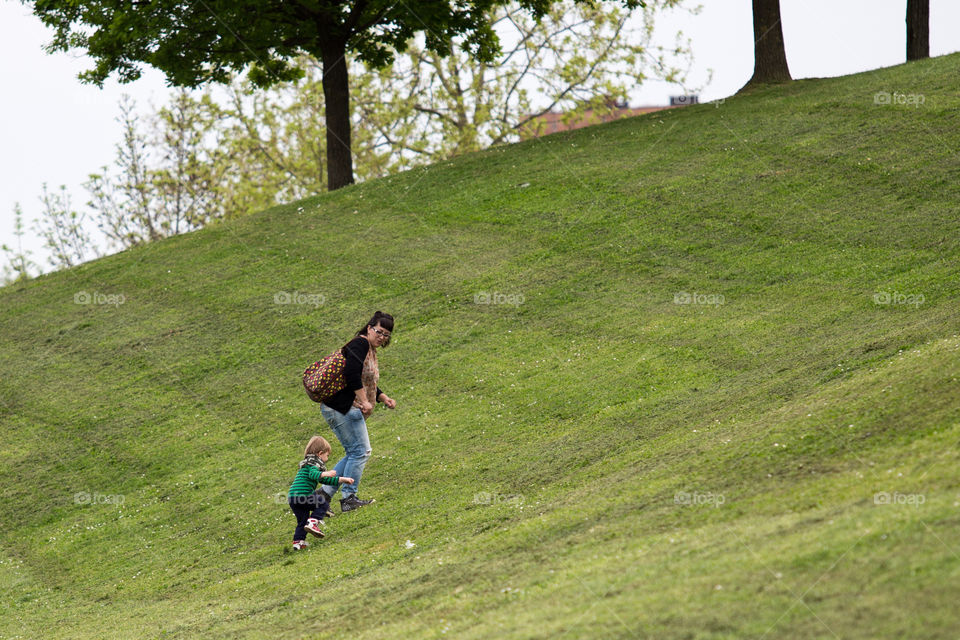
x: 379, y: 332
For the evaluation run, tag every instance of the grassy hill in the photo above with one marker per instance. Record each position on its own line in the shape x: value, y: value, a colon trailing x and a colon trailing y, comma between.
x: 687, y: 375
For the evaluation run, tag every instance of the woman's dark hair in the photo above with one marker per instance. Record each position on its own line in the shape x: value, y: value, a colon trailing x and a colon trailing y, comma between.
x: 385, y: 320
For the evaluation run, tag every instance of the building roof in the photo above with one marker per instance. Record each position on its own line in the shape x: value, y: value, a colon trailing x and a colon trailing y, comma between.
x: 553, y: 122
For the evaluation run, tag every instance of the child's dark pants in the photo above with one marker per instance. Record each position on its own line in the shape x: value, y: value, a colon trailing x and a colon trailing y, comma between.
x: 314, y: 505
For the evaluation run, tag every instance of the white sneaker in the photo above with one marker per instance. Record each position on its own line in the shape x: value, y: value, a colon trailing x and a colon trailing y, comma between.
x: 313, y: 526
x: 300, y: 544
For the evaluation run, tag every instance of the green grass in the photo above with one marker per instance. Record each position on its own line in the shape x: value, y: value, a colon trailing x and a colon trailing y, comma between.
x: 594, y: 460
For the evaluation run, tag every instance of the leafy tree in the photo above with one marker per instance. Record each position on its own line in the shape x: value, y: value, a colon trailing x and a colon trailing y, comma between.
x: 19, y: 261
x: 150, y: 199
x: 64, y: 230
x: 185, y: 180
x: 271, y: 143
x: 124, y: 210
x: 198, y: 41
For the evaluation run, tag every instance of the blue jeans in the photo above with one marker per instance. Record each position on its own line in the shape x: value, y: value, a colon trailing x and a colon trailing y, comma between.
x: 351, y: 430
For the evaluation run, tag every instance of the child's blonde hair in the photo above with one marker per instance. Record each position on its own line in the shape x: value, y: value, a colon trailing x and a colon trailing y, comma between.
x: 316, y: 446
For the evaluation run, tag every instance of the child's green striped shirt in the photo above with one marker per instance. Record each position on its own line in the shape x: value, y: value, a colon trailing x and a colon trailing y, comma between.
x: 307, y: 478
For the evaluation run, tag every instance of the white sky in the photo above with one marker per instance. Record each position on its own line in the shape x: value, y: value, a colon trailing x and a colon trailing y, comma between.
x: 56, y: 130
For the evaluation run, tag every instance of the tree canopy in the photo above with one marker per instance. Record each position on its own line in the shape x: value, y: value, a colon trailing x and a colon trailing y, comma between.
x: 208, y: 40
x: 203, y: 41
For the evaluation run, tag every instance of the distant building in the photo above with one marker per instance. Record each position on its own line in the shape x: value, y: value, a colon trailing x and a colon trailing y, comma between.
x: 553, y: 122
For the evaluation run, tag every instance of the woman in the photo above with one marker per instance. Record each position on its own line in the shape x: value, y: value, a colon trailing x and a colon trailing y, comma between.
x: 345, y: 410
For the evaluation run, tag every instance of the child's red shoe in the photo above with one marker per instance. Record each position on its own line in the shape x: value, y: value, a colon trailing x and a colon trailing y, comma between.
x: 300, y: 544
x: 313, y: 526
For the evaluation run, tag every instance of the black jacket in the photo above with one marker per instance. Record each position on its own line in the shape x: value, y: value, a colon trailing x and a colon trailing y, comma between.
x: 355, y: 353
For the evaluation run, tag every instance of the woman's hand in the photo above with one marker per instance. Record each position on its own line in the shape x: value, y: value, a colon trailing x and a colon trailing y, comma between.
x: 366, y: 408
x: 387, y: 400
x: 328, y: 474
x: 346, y: 480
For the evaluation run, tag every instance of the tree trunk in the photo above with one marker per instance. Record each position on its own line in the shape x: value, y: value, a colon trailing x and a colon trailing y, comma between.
x: 918, y: 29
x: 769, y: 56
x: 336, y: 95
